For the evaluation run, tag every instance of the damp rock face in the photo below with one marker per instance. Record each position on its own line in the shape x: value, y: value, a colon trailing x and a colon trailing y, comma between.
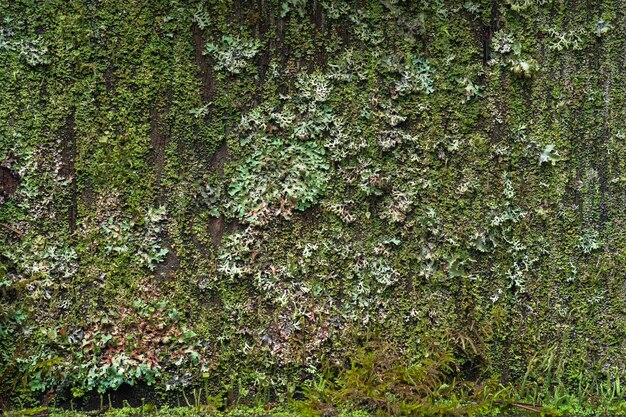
x: 246, y: 193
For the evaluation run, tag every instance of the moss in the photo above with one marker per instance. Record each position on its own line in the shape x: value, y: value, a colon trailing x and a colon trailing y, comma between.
x: 388, y: 183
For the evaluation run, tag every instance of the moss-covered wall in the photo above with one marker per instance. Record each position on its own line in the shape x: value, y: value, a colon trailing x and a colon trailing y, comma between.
x: 245, y: 191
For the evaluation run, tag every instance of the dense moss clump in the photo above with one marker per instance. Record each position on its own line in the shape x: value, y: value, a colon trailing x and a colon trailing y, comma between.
x: 256, y: 198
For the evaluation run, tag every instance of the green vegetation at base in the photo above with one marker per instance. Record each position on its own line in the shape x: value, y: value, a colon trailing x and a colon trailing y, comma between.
x: 442, y: 408
x: 378, y: 381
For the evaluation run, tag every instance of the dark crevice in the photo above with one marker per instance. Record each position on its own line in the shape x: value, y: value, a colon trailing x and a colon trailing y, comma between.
x: 205, y: 67
x: 219, y: 158
x: 488, y: 32
x: 319, y: 21
x: 8, y: 182
x: 109, y: 78
x: 158, y: 140
x: 263, y: 25
x: 68, y: 170
x: 602, y: 154
x: 218, y: 225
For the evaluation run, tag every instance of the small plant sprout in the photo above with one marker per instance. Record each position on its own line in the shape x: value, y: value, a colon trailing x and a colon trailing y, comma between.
x: 233, y: 53
x: 549, y: 155
x: 601, y: 28
x: 199, y: 112
x: 589, y: 241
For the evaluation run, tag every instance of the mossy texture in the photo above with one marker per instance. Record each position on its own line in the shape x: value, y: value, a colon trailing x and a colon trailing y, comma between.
x: 240, y: 194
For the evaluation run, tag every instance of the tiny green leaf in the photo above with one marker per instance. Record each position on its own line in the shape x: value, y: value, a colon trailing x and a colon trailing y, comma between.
x: 549, y: 155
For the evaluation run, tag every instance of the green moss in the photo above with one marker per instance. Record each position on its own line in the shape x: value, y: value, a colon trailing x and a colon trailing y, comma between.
x: 367, y: 169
